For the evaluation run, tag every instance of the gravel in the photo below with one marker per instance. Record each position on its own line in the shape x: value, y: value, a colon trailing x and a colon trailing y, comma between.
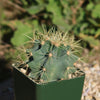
x: 91, y: 90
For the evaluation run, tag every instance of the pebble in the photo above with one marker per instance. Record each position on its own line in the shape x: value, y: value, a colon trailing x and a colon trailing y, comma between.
x: 23, y: 70
x: 91, y: 90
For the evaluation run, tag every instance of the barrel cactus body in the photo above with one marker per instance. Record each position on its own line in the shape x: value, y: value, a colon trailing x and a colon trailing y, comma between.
x: 51, y: 58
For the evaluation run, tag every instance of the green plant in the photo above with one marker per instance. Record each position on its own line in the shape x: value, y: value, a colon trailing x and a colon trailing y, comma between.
x: 76, y: 17
x: 51, y: 57
x: 19, y: 37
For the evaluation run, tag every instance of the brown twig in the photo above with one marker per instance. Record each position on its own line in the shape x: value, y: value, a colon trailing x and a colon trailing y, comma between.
x: 7, y: 2
x: 74, y: 10
x: 18, y: 2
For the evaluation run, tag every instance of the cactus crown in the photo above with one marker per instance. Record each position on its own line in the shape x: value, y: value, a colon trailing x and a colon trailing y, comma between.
x: 52, y: 57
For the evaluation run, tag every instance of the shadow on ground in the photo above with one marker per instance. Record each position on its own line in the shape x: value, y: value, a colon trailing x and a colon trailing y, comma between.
x: 6, y: 81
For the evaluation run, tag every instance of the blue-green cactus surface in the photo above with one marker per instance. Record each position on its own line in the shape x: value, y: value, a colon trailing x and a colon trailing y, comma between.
x: 51, y: 57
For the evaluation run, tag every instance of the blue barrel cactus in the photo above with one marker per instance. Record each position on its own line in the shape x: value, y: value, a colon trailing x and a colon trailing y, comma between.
x: 51, y: 57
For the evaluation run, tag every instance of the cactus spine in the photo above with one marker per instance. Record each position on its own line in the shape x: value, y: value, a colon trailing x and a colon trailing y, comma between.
x: 52, y: 57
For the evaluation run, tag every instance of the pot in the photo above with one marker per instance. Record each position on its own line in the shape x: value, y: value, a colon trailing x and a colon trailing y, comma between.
x: 27, y: 89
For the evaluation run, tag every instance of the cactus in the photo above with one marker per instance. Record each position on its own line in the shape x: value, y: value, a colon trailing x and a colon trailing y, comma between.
x: 52, y: 57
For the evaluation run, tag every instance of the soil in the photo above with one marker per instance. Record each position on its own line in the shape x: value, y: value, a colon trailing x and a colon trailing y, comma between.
x: 5, y: 64
x: 6, y: 80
